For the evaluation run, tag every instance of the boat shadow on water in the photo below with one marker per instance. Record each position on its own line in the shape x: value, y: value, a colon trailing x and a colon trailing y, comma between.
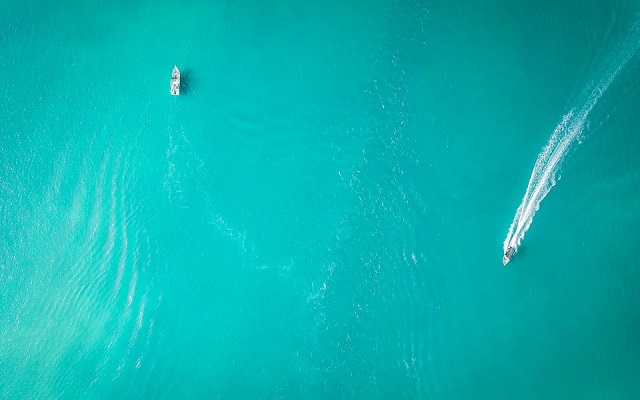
x: 522, y: 250
x: 185, y: 82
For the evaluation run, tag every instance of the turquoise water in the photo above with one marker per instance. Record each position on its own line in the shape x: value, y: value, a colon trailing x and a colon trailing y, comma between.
x: 321, y: 213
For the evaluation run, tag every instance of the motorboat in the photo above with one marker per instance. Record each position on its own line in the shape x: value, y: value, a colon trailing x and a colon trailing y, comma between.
x: 175, y: 81
x: 508, y: 254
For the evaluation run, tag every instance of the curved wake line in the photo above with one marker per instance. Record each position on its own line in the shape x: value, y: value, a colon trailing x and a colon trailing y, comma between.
x: 543, y: 176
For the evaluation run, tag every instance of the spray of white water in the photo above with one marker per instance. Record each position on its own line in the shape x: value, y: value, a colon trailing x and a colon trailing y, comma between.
x: 568, y: 132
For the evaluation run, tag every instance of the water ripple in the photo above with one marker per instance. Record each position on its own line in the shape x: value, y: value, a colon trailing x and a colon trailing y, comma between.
x: 90, y: 245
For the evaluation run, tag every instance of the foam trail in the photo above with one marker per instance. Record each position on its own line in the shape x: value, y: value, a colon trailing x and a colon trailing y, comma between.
x: 566, y: 133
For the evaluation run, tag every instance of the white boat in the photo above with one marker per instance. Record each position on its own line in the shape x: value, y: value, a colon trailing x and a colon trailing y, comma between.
x: 508, y: 254
x: 175, y: 81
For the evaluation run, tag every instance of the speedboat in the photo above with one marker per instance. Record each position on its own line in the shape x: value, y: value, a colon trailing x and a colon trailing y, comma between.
x: 175, y: 81
x: 508, y: 254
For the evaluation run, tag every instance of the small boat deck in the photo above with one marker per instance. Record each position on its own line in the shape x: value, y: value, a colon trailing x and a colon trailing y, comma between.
x: 175, y: 81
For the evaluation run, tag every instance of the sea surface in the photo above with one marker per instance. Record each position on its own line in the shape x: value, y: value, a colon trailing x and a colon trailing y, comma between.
x: 321, y: 213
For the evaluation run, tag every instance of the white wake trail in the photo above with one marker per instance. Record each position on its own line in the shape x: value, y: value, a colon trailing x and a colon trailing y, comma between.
x: 543, y: 176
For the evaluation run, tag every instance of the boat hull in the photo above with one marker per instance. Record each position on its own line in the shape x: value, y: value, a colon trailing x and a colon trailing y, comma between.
x: 175, y: 82
x: 508, y: 254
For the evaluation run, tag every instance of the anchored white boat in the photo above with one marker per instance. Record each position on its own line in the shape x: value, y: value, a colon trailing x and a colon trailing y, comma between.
x: 175, y: 81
